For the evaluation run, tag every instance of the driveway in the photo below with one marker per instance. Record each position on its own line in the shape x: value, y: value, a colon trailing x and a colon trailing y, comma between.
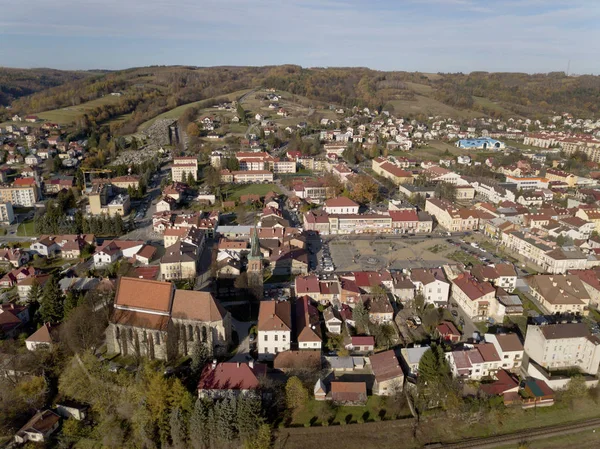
x: 243, y: 350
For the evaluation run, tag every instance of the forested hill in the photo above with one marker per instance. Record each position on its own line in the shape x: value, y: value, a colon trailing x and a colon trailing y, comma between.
x: 150, y: 91
x: 17, y: 83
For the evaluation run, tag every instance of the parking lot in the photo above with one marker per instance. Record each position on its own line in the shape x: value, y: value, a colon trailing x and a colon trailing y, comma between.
x: 350, y: 254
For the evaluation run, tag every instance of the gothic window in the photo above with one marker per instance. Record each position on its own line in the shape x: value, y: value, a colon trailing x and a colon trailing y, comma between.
x: 190, y: 333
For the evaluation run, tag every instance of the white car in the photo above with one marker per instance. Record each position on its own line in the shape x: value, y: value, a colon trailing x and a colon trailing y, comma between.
x: 328, y: 269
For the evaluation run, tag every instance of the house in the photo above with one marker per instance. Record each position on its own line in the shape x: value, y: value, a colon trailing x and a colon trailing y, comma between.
x: 146, y: 310
x: 506, y: 384
x: 43, y: 338
x: 411, y: 357
x: 45, y: 246
x: 501, y: 275
x: 167, y: 203
x: 179, y: 261
x: 219, y: 380
x: 348, y: 393
x: 432, y: 284
x: 13, y: 257
x: 39, y: 428
x: 12, y: 318
x: 563, y: 346
x: 360, y: 344
x: 297, y: 360
x: 388, y: 373
x: 16, y: 275
x: 477, y: 299
x: 509, y: 348
x: 380, y: 309
x: 333, y: 322
x: 25, y: 285
x: 447, y: 331
x: 112, y: 250
x: 474, y: 363
x: 274, y: 328
x: 308, y: 325
x: 71, y: 409
x: 559, y: 293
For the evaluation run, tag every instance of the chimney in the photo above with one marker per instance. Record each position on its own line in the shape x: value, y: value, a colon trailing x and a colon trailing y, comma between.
x: 214, y: 363
x: 238, y: 364
x: 251, y: 363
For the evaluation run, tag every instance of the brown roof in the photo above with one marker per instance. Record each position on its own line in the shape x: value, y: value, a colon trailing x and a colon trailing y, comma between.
x: 275, y: 315
x: 140, y: 319
x: 194, y: 305
x: 385, y: 366
x: 488, y: 352
x: 147, y: 251
x: 42, y: 335
x: 349, y: 391
x: 144, y: 294
x: 567, y: 330
x: 41, y: 422
x: 472, y: 287
x: 340, y: 201
x: 509, y: 342
x: 560, y: 289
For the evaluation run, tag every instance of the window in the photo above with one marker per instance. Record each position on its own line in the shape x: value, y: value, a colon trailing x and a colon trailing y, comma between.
x: 276, y: 337
x: 266, y: 337
x: 157, y: 338
x: 284, y: 337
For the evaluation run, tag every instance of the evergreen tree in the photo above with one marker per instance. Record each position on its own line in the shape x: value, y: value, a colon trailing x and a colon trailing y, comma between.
x: 199, y: 432
x: 118, y: 225
x: 51, y: 304
x: 360, y: 315
x: 71, y: 301
x: 199, y: 358
x: 248, y: 417
x: 178, y: 429
x: 35, y: 293
x: 225, y: 418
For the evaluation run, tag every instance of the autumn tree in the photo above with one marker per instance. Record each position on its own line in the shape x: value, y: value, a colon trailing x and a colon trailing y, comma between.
x: 296, y: 394
x: 83, y: 329
x: 193, y: 130
x: 364, y: 189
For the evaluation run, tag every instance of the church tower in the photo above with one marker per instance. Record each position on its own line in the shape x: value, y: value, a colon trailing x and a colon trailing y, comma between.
x: 255, y: 266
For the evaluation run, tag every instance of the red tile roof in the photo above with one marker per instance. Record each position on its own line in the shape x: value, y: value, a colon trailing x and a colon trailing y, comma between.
x: 231, y: 376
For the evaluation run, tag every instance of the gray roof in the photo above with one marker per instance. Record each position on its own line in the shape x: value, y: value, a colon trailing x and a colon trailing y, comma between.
x: 413, y: 355
x: 234, y: 229
x: 78, y: 283
x: 340, y: 362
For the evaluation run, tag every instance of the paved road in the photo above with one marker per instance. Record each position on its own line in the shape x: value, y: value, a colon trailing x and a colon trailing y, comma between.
x: 242, y: 328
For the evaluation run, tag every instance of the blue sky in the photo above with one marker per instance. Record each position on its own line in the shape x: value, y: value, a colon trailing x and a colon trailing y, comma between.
x: 423, y: 35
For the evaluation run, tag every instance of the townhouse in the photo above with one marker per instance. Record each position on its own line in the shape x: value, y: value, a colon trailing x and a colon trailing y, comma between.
x: 450, y: 217
x: 476, y: 363
x: 559, y: 293
x: 274, y: 328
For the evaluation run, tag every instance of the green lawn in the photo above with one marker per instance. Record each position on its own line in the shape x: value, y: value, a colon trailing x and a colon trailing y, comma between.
x: 236, y: 192
x: 69, y: 114
x: 178, y: 111
x: 26, y: 229
x: 349, y: 414
x: 464, y: 258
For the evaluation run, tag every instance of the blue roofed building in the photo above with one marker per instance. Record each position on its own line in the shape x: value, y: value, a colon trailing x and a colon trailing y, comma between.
x: 483, y: 143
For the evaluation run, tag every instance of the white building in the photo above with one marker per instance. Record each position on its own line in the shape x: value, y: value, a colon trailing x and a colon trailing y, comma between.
x: 563, y: 346
x: 432, y: 284
x: 340, y: 205
x: 274, y: 328
x: 509, y: 348
x: 7, y: 215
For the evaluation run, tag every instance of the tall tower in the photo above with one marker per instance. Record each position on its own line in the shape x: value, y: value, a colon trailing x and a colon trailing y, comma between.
x: 255, y: 266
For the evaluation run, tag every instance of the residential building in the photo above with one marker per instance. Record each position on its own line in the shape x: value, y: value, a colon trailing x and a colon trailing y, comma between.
x: 509, y: 348
x: 182, y: 167
x: 474, y: 363
x: 226, y: 379
x: 432, y: 284
x: 274, y: 328
x: 501, y: 275
x: 447, y: 331
x: 477, y: 299
x: 23, y: 192
x: 7, y: 215
x: 43, y: 338
x: 179, y: 261
x: 308, y: 325
x: 450, y: 217
x: 391, y: 171
x: 389, y: 377
x: 348, y: 393
x: 411, y: 357
x: 559, y: 293
x: 39, y: 428
x: 563, y: 346
x: 112, y: 250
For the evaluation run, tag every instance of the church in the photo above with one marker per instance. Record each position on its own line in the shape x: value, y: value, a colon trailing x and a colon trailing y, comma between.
x: 153, y: 319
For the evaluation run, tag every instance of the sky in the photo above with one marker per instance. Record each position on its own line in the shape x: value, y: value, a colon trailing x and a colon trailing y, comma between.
x: 414, y: 35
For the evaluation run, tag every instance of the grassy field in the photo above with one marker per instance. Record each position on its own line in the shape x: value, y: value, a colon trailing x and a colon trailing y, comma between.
x: 26, y: 229
x: 178, y: 111
x: 422, y: 104
x: 465, y: 258
x: 349, y: 414
x: 236, y: 192
x: 68, y: 115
